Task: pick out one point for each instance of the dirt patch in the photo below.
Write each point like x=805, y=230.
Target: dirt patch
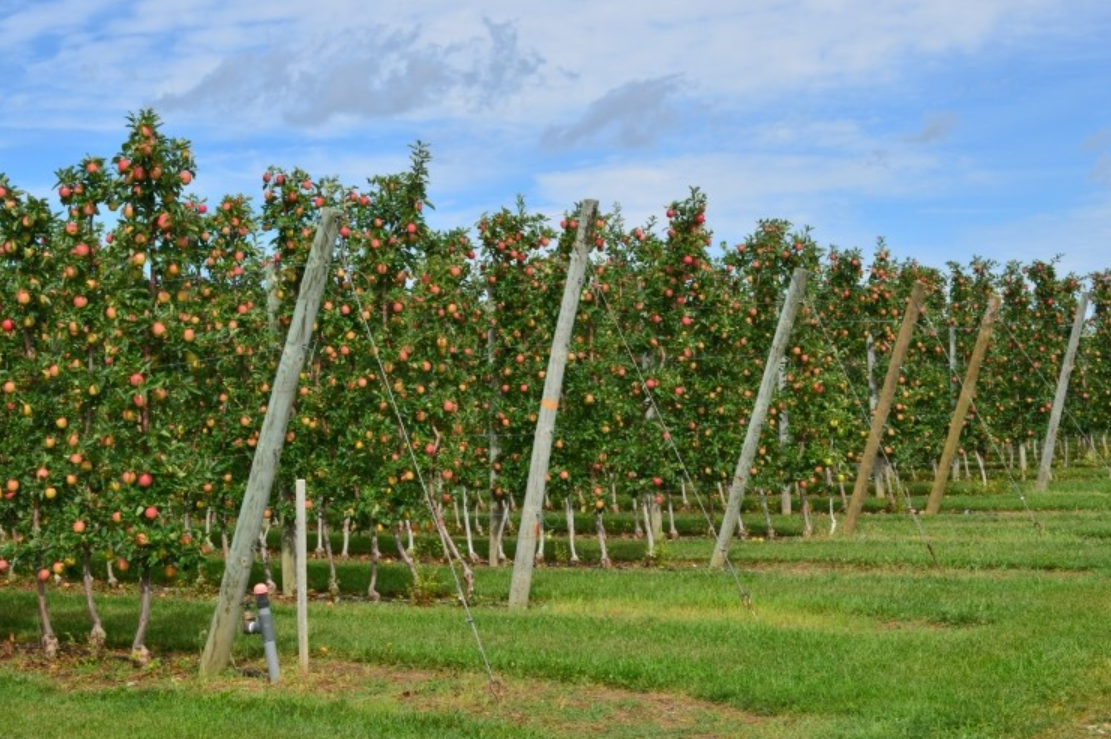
x=570, y=709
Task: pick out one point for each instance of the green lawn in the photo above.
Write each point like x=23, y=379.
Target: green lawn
x=1005, y=635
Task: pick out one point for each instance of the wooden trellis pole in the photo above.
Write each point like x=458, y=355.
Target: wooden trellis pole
x=883, y=406
x=268, y=451
x=964, y=401
x=742, y=472
x=1062, y=392
x=523, y=560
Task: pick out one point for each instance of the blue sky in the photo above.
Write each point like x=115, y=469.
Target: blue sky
x=949, y=127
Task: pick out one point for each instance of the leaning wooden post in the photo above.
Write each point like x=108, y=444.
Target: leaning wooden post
x=964, y=402
x=1062, y=391
x=302, y=555
x=523, y=560
x=273, y=305
x=268, y=451
x=795, y=293
x=883, y=406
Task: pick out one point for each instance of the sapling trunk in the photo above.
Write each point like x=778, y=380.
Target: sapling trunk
x=804, y=507
x=502, y=526
x=683, y=492
x=877, y=479
x=649, y=533
x=785, y=500
x=319, y=550
x=983, y=470
x=403, y=553
x=767, y=514
x=333, y=582
x=96, y=633
x=672, y=532
x=49, y=640
x=450, y=550
x=570, y=512
x=346, y=539
x=225, y=543
x=539, y=540
x=140, y=655
x=497, y=514
x=264, y=555
x=375, y=556
x=112, y=581
x=832, y=518
x=638, y=532
x=208, y=516
x=455, y=512
x=1022, y=460
x=472, y=555
x=967, y=472
x=478, y=518
x=412, y=546
x=600, y=528
x=655, y=518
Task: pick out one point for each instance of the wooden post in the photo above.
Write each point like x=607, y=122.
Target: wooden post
x=523, y=560
x=964, y=401
x=759, y=413
x=1062, y=391
x=273, y=304
x=302, y=555
x=268, y=452
x=883, y=406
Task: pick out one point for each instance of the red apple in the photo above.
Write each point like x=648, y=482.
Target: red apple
x=145, y=480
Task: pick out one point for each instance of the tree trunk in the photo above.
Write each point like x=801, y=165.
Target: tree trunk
x=49, y=640
x=767, y=514
x=403, y=553
x=655, y=518
x=450, y=550
x=264, y=555
x=319, y=549
x=375, y=556
x=649, y=533
x=983, y=470
x=343, y=553
x=333, y=582
x=472, y=555
x=1022, y=460
x=570, y=512
x=497, y=515
x=140, y=655
x=804, y=507
x=96, y=633
x=672, y=532
x=600, y=527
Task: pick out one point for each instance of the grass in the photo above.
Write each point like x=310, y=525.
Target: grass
x=1004, y=636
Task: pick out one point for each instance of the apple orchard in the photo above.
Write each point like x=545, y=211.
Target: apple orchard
x=140, y=329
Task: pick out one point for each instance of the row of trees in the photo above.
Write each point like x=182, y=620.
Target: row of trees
x=140, y=328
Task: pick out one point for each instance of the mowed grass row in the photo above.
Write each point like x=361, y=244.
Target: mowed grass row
x=1006, y=635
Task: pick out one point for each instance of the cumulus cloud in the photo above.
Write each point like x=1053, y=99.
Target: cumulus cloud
x=365, y=73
